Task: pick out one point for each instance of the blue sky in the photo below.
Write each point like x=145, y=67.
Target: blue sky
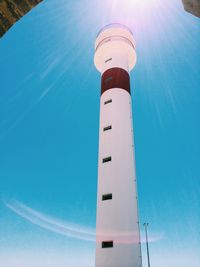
x=49, y=116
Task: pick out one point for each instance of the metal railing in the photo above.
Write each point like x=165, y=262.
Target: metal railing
x=115, y=38
x=114, y=25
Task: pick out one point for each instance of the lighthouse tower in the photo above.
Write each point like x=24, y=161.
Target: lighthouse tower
x=117, y=227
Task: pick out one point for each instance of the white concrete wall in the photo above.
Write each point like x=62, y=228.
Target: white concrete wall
x=117, y=219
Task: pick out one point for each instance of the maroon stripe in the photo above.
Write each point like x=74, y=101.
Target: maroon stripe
x=115, y=78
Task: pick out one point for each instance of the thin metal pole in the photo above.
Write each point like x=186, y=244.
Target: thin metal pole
x=147, y=243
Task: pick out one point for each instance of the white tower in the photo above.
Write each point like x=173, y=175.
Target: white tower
x=117, y=227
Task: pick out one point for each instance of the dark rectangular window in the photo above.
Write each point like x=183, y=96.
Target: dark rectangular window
x=108, y=101
x=107, y=128
x=107, y=244
x=106, y=197
x=109, y=59
x=106, y=159
x=108, y=79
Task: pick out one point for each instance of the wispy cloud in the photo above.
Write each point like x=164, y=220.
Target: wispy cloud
x=49, y=223
x=69, y=229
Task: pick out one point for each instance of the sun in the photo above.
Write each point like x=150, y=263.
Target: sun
x=126, y=4
x=130, y=9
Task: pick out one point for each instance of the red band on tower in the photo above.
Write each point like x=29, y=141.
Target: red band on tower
x=115, y=78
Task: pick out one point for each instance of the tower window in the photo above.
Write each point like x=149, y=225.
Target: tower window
x=109, y=59
x=106, y=159
x=107, y=128
x=107, y=244
x=108, y=79
x=108, y=101
x=106, y=197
